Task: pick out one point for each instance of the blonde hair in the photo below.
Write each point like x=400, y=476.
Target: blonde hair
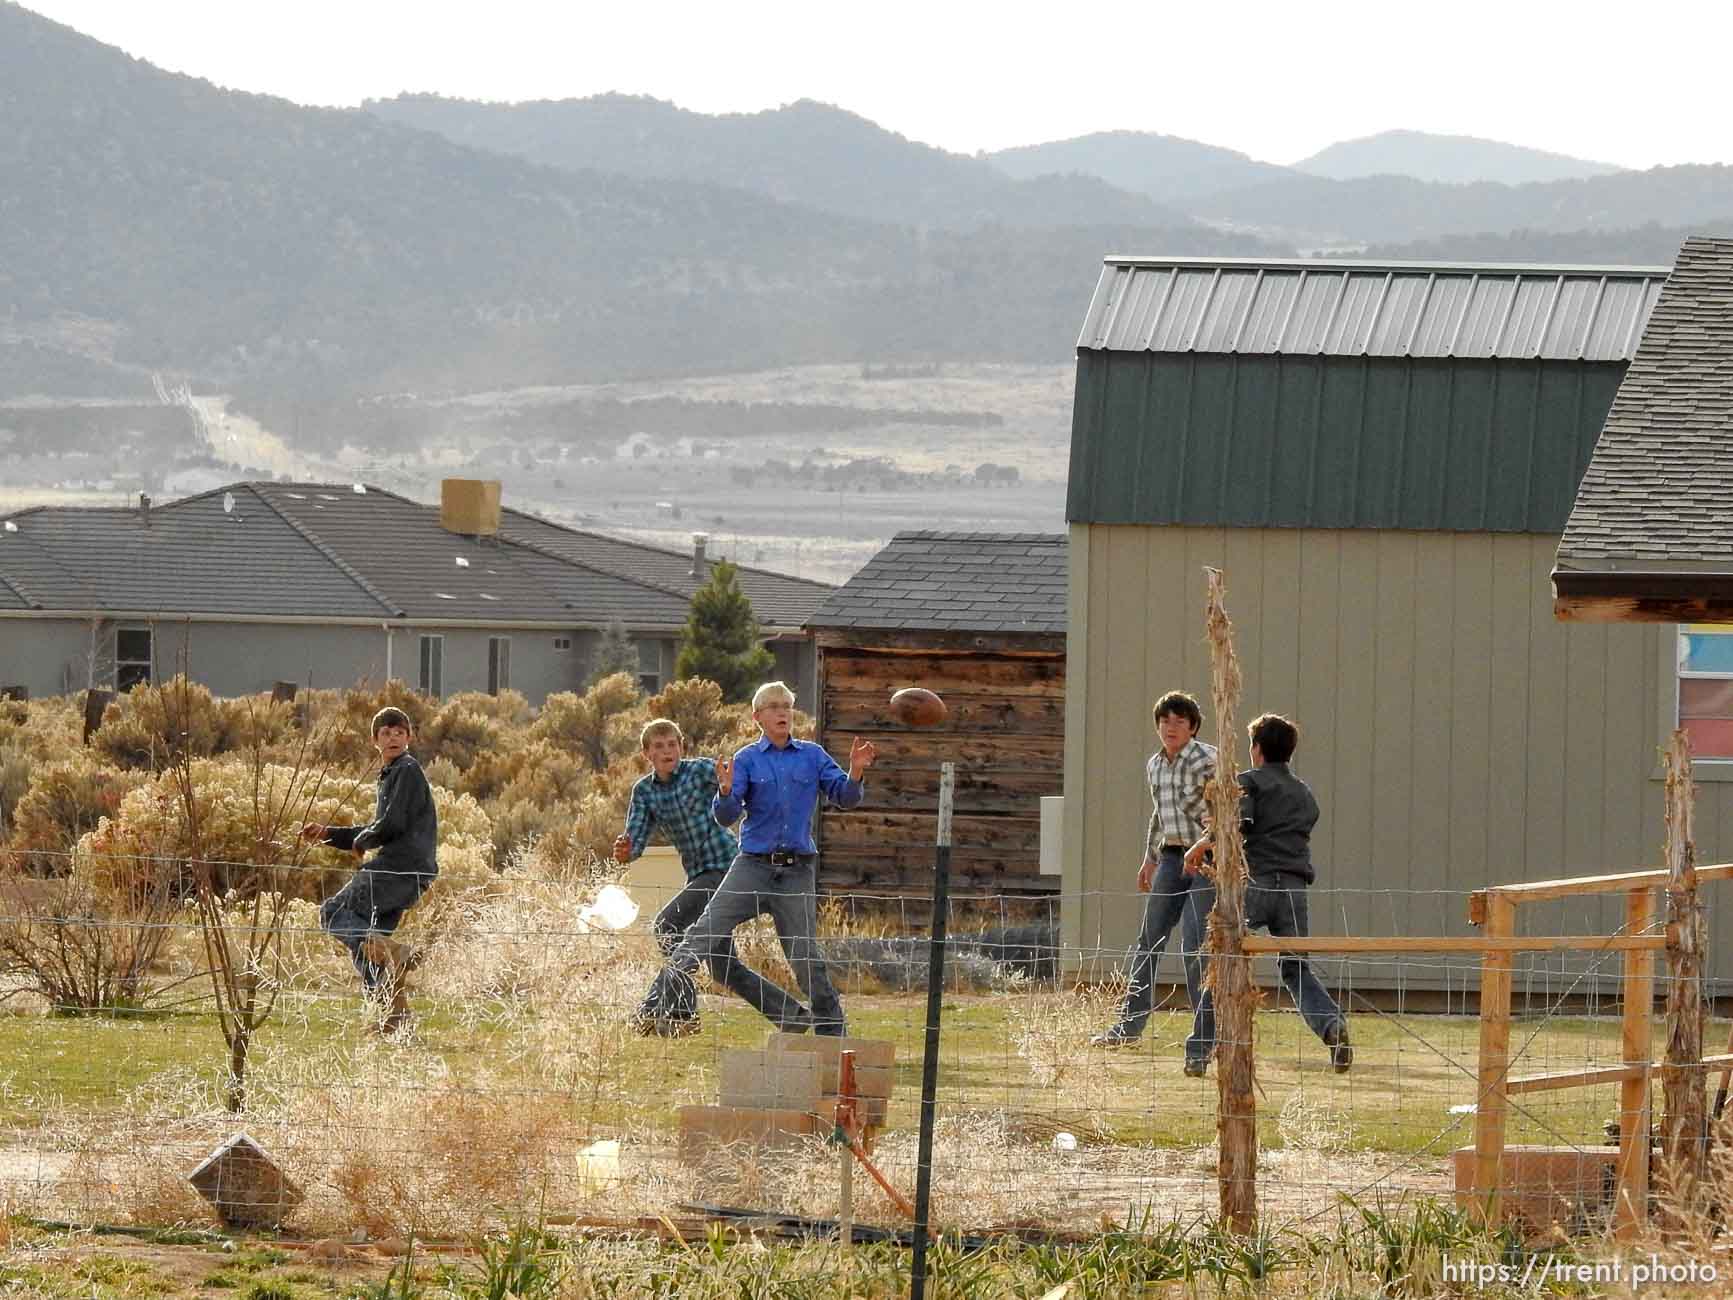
x=660, y=727
x=771, y=693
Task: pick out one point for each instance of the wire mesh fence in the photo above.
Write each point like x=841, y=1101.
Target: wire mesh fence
x=521, y=1084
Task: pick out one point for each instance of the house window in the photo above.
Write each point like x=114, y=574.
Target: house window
x=649, y=666
x=1706, y=688
x=432, y=680
x=132, y=657
x=498, y=664
x=562, y=643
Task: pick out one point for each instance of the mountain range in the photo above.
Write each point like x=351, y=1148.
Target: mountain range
x=1452, y=159
x=156, y=223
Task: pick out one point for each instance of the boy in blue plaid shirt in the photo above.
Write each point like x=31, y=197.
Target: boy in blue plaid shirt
x=676, y=797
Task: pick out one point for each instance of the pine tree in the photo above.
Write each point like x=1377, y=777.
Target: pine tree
x=614, y=653
x=723, y=641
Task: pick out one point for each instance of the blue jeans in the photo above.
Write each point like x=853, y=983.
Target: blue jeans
x=753, y=887
x=1278, y=903
x=374, y=900
x=677, y=916
x=1174, y=899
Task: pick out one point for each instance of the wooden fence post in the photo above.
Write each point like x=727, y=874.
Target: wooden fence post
x=1631, y=1201
x=1230, y=968
x=1492, y=1104
x=1684, y=1131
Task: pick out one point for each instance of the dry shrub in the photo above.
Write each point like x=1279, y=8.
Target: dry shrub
x=16, y=766
x=1312, y=1126
x=152, y=725
x=45, y=729
x=235, y=798
x=65, y=801
x=340, y=722
x=464, y=732
x=84, y=950
x=257, y=722
x=695, y=706
x=1051, y=1027
x=442, y=772
x=596, y=726
x=527, y=950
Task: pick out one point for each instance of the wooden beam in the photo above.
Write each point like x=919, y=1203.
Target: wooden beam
x=1488, y=943
x=1642, y=609
x=1631, y=1197
x=1578, y=1078
x=1603, y=1074
x=1538, y=891
x=1491, y=1103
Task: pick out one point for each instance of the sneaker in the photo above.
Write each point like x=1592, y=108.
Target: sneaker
x=1115, y=1037
x=1196, y=1067
x=1341, y=1051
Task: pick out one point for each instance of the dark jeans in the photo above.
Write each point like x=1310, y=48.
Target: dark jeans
x=753, y=888
x=374, y=900
x=683, y=909
x=1174, y=899
x=1277, y=902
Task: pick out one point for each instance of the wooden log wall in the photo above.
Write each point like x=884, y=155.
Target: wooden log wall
x=1005, y=732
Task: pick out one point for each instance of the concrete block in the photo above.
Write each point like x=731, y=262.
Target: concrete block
x=703, y=1128
x=245, y=1186
x=769, y=1079
x=874, y=1060
x=1543, y=1185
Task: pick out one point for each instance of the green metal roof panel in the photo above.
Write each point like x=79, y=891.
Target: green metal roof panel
x=1332, y=442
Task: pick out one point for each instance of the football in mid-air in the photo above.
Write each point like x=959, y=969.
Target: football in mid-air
x=918, y=707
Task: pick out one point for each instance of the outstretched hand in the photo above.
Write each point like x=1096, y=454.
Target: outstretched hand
x=860, y=757
x=312, y=831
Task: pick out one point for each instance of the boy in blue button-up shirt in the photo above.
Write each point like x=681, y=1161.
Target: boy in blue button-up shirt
x=777, y=781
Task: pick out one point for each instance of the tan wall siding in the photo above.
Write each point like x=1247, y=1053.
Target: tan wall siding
x=1455, y=733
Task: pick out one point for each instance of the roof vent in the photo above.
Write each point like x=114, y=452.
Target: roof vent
x=700, y=563
x=469, y=506
x=144, y=508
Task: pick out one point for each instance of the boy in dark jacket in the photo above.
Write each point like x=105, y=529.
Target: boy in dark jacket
x=1277, y=814
x=363, y=914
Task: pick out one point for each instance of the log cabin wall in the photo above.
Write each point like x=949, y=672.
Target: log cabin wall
x=1005, y=731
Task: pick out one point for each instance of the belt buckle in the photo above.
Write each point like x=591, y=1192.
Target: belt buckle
x=783, y=857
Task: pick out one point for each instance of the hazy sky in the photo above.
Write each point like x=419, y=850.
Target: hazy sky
x=1632, y=84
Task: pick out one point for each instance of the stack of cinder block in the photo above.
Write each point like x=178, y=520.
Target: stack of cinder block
x=786, y=1091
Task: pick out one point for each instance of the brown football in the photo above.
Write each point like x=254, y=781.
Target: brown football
x=918, y=707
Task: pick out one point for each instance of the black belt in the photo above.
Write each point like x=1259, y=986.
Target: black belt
x=787, y=857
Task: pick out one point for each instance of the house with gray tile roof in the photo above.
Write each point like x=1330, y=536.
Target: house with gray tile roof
x=981, y=619
x=330, y=584
x=1650, y=537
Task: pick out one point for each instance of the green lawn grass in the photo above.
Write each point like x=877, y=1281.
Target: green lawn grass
x=1408, y=1074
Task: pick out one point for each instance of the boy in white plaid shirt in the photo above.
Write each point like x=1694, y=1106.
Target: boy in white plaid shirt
x=1177, y=773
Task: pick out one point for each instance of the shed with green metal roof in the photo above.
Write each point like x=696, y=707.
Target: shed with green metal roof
x=1382, y=458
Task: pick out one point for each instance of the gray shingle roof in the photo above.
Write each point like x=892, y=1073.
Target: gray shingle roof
x=777, y=599
x=325, y=550
x=1382, y=309
x=956, y=582
x=1658, y=493
x=190, y=557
